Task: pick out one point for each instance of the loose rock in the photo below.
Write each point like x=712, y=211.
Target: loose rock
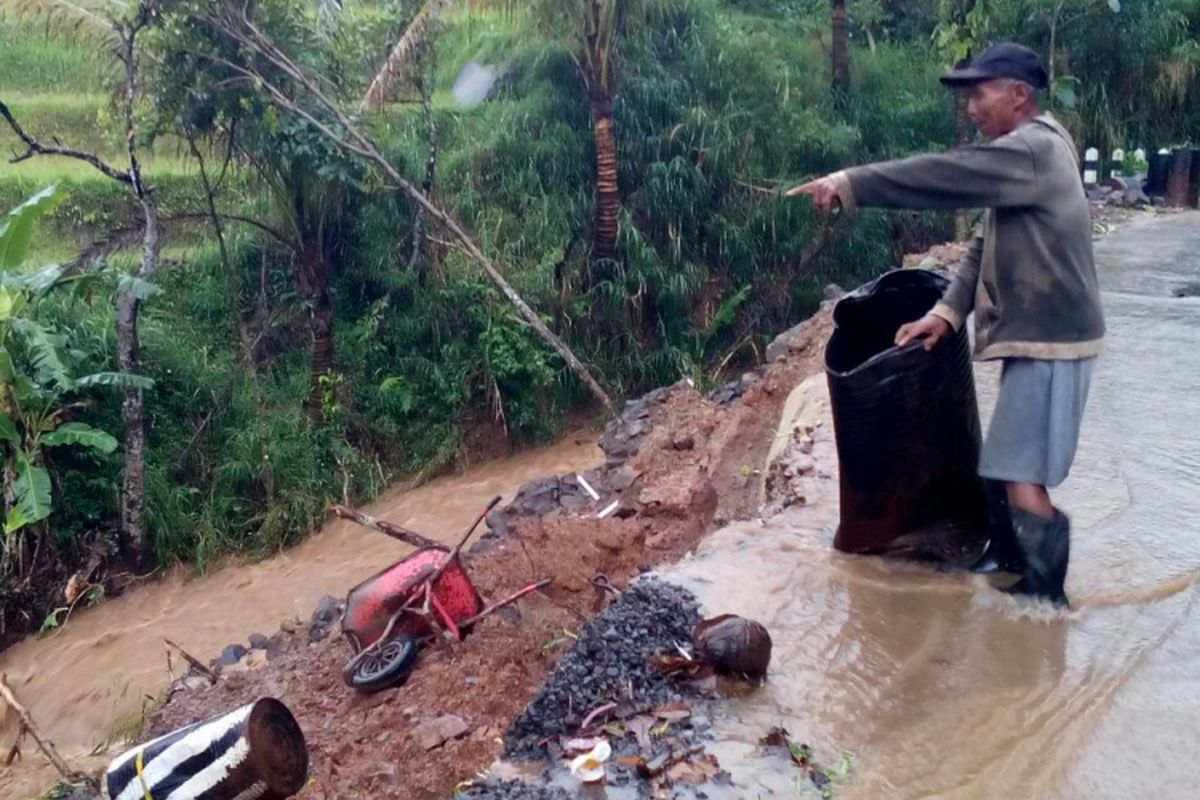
x=254, y=659
x=328, y=612
x=436, y=732
x=539, y=498
x=232, y=654
x=622, y=478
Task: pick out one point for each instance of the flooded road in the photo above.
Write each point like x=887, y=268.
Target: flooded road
x=937, y=685
x=91, y=681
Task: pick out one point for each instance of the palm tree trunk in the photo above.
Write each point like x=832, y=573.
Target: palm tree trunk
x=608, y=197
x=313, y=278
x=840, y=51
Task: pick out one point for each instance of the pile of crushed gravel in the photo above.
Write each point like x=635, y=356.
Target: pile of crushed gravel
x=609, y=663
x=512, y=791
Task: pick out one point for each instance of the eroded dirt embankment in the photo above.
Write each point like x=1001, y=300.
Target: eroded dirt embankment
x=679, y=464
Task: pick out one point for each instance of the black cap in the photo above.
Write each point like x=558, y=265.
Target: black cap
x=1004, y=60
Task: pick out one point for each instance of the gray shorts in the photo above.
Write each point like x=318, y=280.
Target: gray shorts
x=1035, y=425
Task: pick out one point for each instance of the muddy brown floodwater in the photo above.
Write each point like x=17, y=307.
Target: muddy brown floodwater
x=92, y=680
x=939, y=686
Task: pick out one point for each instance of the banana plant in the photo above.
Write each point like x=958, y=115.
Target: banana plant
x=38, y=387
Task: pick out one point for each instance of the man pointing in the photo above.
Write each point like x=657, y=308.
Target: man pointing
x=1029, y=278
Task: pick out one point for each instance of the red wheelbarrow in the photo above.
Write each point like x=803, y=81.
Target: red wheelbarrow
x=424, y=596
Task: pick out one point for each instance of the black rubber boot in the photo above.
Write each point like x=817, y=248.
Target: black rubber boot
x=1003, y=553
x=1046, y=546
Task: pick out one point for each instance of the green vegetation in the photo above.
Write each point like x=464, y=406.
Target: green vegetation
x=43, y=56
x=315, y=341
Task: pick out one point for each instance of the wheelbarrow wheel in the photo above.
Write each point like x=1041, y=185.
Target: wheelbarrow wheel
x=386, y=668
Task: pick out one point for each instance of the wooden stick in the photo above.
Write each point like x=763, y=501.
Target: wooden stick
x=195, y=662
x=388, y=528
x=30, y=727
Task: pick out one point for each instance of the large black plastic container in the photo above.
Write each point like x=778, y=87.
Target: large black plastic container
x=906, y=423
x=1179, y=179
x=1158, y=165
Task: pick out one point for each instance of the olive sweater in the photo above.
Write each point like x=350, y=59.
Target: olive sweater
x=1030, y=277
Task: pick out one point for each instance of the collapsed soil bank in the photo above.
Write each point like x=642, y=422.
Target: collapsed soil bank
x=690, y=466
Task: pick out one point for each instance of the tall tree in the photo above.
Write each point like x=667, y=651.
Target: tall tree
x=840, y=50
x=120, y=26
x=308, y=180
x=592, y=31
x=408, y=66
x=1060, y=15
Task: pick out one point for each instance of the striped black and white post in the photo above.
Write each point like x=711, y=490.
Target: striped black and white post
x=256, y=752
x=1091, y=167
x=1116, y=164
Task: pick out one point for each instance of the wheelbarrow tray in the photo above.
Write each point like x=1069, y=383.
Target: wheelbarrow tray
x=372, y=603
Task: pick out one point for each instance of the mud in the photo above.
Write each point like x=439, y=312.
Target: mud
x=685, y=465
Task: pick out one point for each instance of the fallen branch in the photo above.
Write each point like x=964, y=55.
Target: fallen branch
x=388, y=528
x=178, y=465
x=29, y=726
x=198, y=665
x=71, y=608
x=756, y=188
x=345, y=133
x=35, y=148
x=396, y=69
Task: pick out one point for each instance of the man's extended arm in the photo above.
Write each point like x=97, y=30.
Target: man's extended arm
x=1001, y=173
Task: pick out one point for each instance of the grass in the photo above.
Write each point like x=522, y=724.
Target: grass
x=78, y=119
x=45, y=56
x=95, y=204
x=44, y=169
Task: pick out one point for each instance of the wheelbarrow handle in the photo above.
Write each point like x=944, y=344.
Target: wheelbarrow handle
x=458, y=547
x=495, y=501
x=512, y=598
x=482, y=515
